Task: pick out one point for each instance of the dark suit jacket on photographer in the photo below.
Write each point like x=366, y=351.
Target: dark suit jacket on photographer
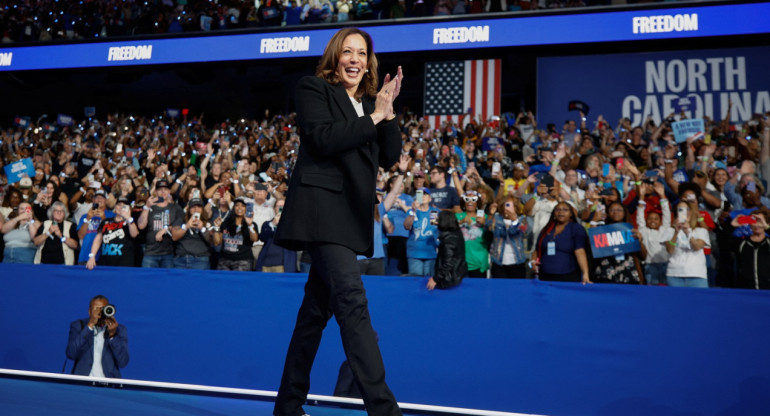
x=332, y=189
x=80, y=348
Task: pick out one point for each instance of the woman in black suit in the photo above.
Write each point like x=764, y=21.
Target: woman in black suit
x=347, y=131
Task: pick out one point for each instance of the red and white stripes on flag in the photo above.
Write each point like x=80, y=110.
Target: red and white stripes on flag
x=452, y=88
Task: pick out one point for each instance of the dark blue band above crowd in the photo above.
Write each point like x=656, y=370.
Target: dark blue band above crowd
x=49, y=20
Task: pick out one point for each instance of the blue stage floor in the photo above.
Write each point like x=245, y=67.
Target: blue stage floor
x=43, y=394
x=42, y=398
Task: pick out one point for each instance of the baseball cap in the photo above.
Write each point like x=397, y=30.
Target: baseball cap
x=259, y=186
x=162, y=184
x=100, y=192
x=25, y=183
x=240, y=199
x=195, y=201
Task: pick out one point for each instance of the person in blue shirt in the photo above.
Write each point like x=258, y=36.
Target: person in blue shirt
x=375, y=264
x=443, y=195
x=89, y=225
x=561, y=247
x=422, y=243
x=396, y=214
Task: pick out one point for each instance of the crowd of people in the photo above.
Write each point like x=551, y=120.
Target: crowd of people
x=188, y=193
x=46, y=20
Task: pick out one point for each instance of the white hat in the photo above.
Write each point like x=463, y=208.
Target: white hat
x=25, y=182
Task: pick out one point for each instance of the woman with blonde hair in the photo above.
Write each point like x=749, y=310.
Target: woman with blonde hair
x=687, y=260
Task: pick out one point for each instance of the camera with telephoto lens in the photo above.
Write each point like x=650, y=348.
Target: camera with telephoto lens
x=108, y=311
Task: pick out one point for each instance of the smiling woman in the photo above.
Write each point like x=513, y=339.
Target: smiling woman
x=347, y=130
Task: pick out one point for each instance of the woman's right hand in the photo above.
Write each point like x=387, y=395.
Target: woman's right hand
x=383, y=106
x=91, y=264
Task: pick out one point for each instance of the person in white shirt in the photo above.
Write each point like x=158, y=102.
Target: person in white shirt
x=687, y=260
x=98, y=345
x=656, y=231
x=263, y=211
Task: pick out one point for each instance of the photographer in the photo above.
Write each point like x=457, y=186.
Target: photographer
x=98, y=344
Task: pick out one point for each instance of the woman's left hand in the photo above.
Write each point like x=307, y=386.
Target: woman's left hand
x=431, y=284
x=396, y=87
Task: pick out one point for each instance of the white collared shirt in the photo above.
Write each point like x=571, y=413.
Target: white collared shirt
x=96, y=368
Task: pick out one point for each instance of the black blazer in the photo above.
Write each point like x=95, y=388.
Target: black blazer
x=450, y=262
x=331, y=195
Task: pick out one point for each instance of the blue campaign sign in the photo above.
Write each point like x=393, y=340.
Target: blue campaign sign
x=613, y=239
x=651, y=84
x=64, y=120
x=688, y=128
x=521, y=29
x=17, y=170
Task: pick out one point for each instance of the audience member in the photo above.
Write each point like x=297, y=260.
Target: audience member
x=236, y=234
x=115, y=239
x=450, y=265
x=56, y=238
x=423, y=235
x=18, y=233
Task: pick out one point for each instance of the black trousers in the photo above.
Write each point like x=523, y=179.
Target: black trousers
x=334, y=287
x=511, y=271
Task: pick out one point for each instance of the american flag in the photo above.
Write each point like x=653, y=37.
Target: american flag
x=451, y=88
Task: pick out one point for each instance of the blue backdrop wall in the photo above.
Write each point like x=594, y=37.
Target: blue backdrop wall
x=521, y=346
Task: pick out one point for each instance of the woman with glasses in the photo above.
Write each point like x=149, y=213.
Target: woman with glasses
x=621, y=268
x=509, y=232
x=561, y=248
x=473, y=224
x=57, y=238
x=18, y=231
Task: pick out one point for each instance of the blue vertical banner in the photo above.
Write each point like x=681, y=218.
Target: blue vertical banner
x=699, y=83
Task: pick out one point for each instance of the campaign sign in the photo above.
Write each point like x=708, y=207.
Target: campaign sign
x=22, y=122
x=687, y=128
x=685, y=104
x=702, y=83
x=130, y=153
x=613, y=239
x=579, y=106
x=64, y=120
x=490, y=144
x=17, y=170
